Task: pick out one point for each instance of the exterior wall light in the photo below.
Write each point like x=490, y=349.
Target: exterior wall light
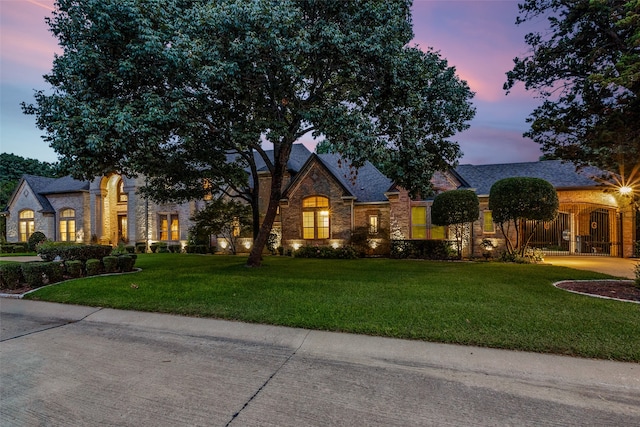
x=625, y=190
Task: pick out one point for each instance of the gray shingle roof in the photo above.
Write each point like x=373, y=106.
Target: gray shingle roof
x=367, y=183
x=299, y=155
x=560, y=174
x=42, y=186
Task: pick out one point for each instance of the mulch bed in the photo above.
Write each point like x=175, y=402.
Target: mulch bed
x=618, y=289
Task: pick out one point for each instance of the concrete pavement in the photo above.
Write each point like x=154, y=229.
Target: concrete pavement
x=618, y=267
x=72, y=365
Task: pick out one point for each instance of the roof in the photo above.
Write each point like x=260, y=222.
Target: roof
x=560, y=174
x=299, y=156
x=366, y=183
x=41, y=186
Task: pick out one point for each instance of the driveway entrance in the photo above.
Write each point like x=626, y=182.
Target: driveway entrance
x=618, y=267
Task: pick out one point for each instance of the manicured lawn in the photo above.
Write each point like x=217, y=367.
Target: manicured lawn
x=487, y=304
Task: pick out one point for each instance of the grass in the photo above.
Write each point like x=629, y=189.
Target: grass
x=487, y=304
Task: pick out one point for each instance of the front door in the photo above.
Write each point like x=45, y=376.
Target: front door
x=122, y=228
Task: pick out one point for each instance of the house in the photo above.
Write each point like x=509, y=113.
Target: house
x=324, y=202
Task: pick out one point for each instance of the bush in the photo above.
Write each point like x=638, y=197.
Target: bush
x=74, y=268
x=175, y=249
x=110, y=264
x=55, y=272
x=11, y=275
x=198, y=249
x=159, y=247
x=141, y=247
x=637, y=272
x=94, y=267
x=326, y=252
x=422, y=249
x=35, y=273
x=125, y=263
x=49, y=251
x=35, y=239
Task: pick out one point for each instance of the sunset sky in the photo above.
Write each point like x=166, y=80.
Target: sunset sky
x=478, y=37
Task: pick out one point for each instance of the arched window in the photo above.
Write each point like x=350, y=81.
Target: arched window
x=122, y=196
x=27, y=224
x=68, y=225
x=315, y=217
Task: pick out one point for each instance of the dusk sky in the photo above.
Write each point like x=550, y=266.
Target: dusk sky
x=478, y=37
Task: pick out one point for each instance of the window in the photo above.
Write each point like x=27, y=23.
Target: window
x=169, y=227
x=488, y=226
x=122, y=196
x=27, y=224
x=438, y=232
x=315, y=218
x=419, y=222
x=68, y=225
x=373, y=224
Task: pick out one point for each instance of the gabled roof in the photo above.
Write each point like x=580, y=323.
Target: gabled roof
x=42, y=186
x=560, y=174
x=299, y=156
x=367, y=183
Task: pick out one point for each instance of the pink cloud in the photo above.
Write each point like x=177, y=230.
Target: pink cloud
x=489, y=145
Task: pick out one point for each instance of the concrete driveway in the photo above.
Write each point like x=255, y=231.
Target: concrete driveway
x=72, y=365
x=618, y=267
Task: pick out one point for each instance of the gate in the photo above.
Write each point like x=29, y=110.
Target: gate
x=579, y=229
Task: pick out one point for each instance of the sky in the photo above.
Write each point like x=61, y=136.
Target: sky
x=478, y=37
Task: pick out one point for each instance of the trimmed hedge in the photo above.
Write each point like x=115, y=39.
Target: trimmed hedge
x=74, y=268
x=14, y=248
x=326, y=252
x=35, y=273
x=49, y=251
x=35, y=239
x=94, y=267
x=110, y=264
x=11, y=275
x=422, y=249
x=126, y=262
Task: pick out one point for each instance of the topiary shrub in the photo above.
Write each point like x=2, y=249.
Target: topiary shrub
x=74, y=268
x=93, y=266
x=35, y=273
x=65, y=251
x=141, y=247
x=11, y=276
x=55, y=272
x=125, y=263
x=35, y=239
x=110, y=264
x=175, y=249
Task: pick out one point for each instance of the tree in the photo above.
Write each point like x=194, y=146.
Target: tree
x=228, y=219
x=512, y=201
x=586, y=68
x=176, y=89
x=456, y=208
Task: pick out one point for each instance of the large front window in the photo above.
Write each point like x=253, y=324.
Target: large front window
x=315, y=218
x=419, y=222
x=27, y=224
x=169, y=227
x=68, y=225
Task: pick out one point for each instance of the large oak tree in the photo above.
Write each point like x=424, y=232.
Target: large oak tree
x=586, y=68
x=188, y=91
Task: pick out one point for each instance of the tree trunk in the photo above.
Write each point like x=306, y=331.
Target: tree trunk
x=281, y=154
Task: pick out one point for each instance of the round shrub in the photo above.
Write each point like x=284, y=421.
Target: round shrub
x=55, y=271
x=125, y=263
x=110, y=264
x=35, y=273
x=35, y=239
x=11, y=275
x=74, y=268
x=93, y=266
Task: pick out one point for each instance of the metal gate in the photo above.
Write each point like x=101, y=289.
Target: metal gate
x=579, y=229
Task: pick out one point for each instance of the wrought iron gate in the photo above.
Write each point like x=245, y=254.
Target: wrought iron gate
x=579, y=229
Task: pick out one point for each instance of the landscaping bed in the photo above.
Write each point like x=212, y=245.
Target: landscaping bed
x=616, y=289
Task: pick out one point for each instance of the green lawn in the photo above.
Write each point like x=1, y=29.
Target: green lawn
x=488, y=304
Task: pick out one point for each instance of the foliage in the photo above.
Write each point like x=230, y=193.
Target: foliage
x=326, y=252
x=14, y=248
x=74, y=268
x=274, y=241
x=126, y=263
x=515, y=200
x=37, y=274
x=49, y=251
x=11, y=275
x=456, y=208
x=93, y=266
x=110, y=264
x=35, y=239
x=637, y=273
x=586, y=68
x=187, y=92
x=228, y=219
x=422, y=249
